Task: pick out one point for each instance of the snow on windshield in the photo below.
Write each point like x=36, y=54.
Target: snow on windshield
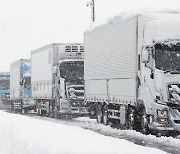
x=167, y=57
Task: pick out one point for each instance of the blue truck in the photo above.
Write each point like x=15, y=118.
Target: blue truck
x=4, y=87
x=20, y=86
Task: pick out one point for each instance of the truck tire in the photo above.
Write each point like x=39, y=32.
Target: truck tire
x=99, y=114
x=130, y=119
x=38, y=109
x=92, y=112
x=41, y=112
x=55, y=114
x=24, y=111
x=105, y=114
x=51, y=111
x=144, y=123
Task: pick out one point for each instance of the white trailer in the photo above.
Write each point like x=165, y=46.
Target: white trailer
x=54, y=70
x=20, y=88
x=125, y=79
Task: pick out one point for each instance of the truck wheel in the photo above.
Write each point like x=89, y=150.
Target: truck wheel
x=55, y=114
x=23, y=111
x=38, y=110
x=15, y=110
x=92, y=112
x=144, y=123
x=51, y=112
x=41, y=112
x=105, y=114
x=130, y=120
x=99, y=114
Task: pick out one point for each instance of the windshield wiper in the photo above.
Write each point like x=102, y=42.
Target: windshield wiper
x=175, y=71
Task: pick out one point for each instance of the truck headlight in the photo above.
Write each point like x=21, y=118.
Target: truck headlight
x=162, y=116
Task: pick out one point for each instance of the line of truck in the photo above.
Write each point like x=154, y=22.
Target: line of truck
x=127, y=73
x=51, y=82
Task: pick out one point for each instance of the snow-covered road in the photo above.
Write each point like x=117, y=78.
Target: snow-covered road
x=31, y=135
x=168, y=144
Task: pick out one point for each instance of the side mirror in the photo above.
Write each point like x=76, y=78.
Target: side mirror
x=145, y=56
x=152, y=75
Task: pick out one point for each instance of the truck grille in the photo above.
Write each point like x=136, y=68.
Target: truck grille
x=174, y=93
x=76, y=90
x=177, y=121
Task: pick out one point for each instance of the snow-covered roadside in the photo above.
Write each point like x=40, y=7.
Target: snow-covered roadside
x=166, y=143
x=24, y=135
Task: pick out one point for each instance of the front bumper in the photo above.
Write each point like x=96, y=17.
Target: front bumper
x=173, y=122
x=160, y=127
x=80, y=110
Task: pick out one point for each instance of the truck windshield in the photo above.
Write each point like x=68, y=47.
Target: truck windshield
x=4, y=84
x=72, y=71
x=167, y=58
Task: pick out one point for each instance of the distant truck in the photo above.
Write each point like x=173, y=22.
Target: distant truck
x=20, y=86
x=4, y=86
x=57, y=79
x=132, y=72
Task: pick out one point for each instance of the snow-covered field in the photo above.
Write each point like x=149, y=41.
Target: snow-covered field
x=26, y=135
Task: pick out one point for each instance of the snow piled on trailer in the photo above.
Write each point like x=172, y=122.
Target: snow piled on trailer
x=126, y=15
x=24, y=135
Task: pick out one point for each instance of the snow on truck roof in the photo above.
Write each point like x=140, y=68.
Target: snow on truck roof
x=17, y=61
x=128, y=16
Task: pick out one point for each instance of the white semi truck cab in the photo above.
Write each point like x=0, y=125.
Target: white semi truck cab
x=132, y=72
x=70, y=77
x=160, y=72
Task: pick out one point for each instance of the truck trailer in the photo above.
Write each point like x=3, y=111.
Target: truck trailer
x=20, y=86
x=57, y=80
x=4, y=87
x=132, y=72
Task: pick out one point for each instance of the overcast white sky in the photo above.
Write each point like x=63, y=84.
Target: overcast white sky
x=26, y=25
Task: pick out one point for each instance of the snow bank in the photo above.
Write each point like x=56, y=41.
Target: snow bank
x=128, y=134
x=25, y=135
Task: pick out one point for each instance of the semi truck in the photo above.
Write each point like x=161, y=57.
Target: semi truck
x=132, y=72
x=4, y=87
x=20, y=86
x=57, y=80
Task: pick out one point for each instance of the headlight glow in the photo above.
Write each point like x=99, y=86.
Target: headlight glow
x=162, y=113
x=162, y=116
